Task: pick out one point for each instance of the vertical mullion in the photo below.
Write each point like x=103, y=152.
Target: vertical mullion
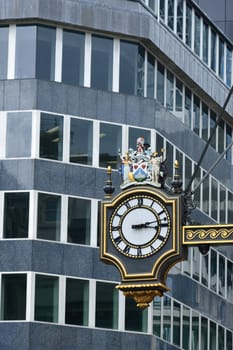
x=66, y=139
x=145, y=73
x=58, y=54
x=94, y=222
x=92, y=303
x=87, y=61
x=116, y=65
x=64, y=218
x=96, y=131
x=121, y=311
x=32, y=224
x=30, y=297
x=61, y=299
x=11, y=52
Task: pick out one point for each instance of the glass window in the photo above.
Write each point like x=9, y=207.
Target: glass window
x=25, y=55
x=77, y=299
x=131, y=68
x=196, y=115
x=46, y=298
x=18, y=135
x=197, y=34
x=204, y=121
x=51, y=136
x=212, y=126
x=204, y=333
x=157, y=316
x=49, y=217
x=213, y=51
x=134, y=133
x=179, y=20
x=229, y=280
x=222, y=205
x=167, y=318
x=230, y=207
x=150, y=75
x=79, y=220
x=186, y=328
x=179, y=95
x=195, y=331
x=106, y=315
x=16, y=212
x=151, y=4
x=176, y=323
x=204, y=269
x=188, y=110
x=45, y=53
x=101, y=62
x=206, y=187
x=159, y=143
x=188, y=170
x=170, y=20
x=221, y=59
x=13, y=297
x=110, y=145
x=221, y=127
x=229, y=340
x=228, y=141
x=160, y=83
x=73, y=57
x=221, y=278
x=196, y=264
x=169, y=161
x=205, y=44
x=228, y=66
x=81, y=132
x=162, y=9
x=170, y=90
x=4, y=31
x=135, y=319
x=188, y=37
x=214, y=199
x=213, y=270
x=197, y=193
x=212, y=336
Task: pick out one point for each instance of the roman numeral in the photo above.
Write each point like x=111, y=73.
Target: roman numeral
x=139, y=251
x=116, y=228
x=118, y=240
x=140, y=201
x=128, y=206
x=126, y=249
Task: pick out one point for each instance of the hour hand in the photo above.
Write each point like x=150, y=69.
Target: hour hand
x=138, y=226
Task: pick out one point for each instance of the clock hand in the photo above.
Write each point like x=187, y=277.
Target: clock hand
x=145, y=225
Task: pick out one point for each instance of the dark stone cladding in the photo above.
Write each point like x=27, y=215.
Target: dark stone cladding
x=126, y=18
x=99, y=105
x=38, y=336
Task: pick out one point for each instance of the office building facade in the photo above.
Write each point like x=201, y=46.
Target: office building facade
x=80, y=81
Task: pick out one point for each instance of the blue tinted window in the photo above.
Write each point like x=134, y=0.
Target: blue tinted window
x=4, y=51
x=51, y=136
x=25, y=55
x=45, y=53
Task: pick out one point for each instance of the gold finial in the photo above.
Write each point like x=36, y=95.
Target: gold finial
x=108, y=188
x=176, y=164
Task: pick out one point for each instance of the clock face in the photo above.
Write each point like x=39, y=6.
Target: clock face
x=140, y=226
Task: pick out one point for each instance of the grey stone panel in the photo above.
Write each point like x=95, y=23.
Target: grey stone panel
x=14, y=336
x=16, y=255
x=17, y=174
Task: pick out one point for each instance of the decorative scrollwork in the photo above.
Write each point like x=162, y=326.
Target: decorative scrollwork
x=211, y=233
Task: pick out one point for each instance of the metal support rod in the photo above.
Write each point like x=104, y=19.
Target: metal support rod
x=212, y=167
x=209, y=140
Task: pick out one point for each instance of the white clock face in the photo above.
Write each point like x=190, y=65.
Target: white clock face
x=140, y=226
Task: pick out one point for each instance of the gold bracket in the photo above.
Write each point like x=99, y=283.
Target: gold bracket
x=207, y=234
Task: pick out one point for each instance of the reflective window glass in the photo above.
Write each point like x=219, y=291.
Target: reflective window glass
x=46, y=298
x=196, y=115
x=188, y=109
x=206, y=194
x=179, y=95
x=170, y=90
x=159, y=143
x=212, y=335
x=221, y=127
x=73, y=57
x=151, y=4
x=197, y=193
x=131, y=68
x=45, y=53
x=228, y=141
x=160, y=83
x=212, y=126
x=213, y=51
x=134, y=133
x=213, y=270
x=195, y=330
x=197, y=34
x=110, y=145
x=222, y=205
x=157, y=316
x=150, y=75
x=166, y=318
x=13, y=297
x=205, y=43
x=77, y=299
x=221, y=58
x=229, y=341
x=4, y=31
x=51, y=136
x=135, y=319
x=170, y=19
x=230, y=207
x=169, y=161
x=179, y=19
x=176, y=323
x=188, y=170
x=204, y=128
x=25, y=54
x=49, y=217
x=196, y=264
x=214, y=199
x=204, y=333
x=204, y=269
x=18, y=134
x=81, y=136
x=16, y=213
x=221, y=277
x=188, y=36
x=186, y=328
x=162, y=9
x=79, y=220
x=106, y=315
x=101, y=62
x=230, y=280
x=228, y=66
